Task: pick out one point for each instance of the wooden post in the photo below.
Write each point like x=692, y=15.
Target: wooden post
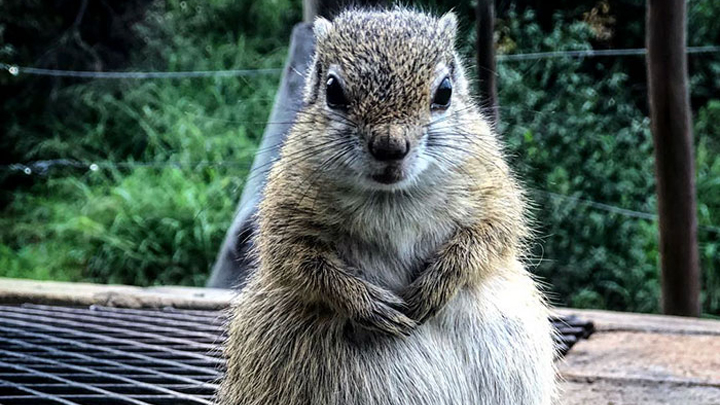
x=674, y=162
x=312, y=9
x=485, y=17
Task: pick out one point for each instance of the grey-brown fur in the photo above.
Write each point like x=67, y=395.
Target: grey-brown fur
x=388, y=294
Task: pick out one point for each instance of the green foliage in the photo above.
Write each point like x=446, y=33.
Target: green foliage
x=708, y=190
x=143, y=227
x=160, y=217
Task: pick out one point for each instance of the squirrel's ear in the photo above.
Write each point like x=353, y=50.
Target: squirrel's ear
x=321, y=28
x=448, y=24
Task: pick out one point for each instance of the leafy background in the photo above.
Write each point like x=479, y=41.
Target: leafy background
x=172, y=154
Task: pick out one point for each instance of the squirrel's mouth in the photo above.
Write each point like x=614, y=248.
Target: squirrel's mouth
x=392, y=173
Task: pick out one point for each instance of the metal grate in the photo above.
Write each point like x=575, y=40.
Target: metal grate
x=103, y=355
x=570, y=329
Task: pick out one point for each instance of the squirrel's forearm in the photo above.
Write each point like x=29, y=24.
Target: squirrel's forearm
x=315, y=274
x=318, y=275
x=464, y=259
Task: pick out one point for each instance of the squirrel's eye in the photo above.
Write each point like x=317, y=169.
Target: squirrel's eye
x=335, y=96
x=442, y=95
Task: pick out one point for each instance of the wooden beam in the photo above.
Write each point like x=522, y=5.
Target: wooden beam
x=485, y=50
x=313, y=9
x=674, y=161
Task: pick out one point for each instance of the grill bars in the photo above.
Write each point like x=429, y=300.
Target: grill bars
x=103, y=355
x=570, y=329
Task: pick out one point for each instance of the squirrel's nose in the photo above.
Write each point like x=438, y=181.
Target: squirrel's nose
x=384, y=148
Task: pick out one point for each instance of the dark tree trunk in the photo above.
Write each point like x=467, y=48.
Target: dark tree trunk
x=674, y=162
x=487, y=76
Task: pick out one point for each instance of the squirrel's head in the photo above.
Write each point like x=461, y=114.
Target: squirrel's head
x=381, y=84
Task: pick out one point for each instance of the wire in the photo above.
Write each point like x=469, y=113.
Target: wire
x=614, y=209
x=42, y=166
x=602, y=206
x=17, y=70
x=589, y=53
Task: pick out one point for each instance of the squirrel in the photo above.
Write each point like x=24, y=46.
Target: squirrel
x=391, y=237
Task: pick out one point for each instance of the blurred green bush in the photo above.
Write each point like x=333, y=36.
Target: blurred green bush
x=577, y=134
x=160, y=216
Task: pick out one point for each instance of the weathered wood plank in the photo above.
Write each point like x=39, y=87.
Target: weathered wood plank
x=604, y=392
x=682, y=359
x=643, y=359
x=606, y=321
x=18, y=291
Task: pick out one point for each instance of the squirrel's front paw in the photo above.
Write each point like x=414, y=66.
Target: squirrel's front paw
x=381, y=313
x=420, y=306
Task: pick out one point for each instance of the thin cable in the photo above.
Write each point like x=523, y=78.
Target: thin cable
x=614, y=209
x=602, y=206
x=589, y=53
x=42, y=166
x=17, y=70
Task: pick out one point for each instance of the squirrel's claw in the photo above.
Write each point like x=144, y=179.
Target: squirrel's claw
x=383, y=313
x=383, y=318
x=420, y=307
x=387, y=297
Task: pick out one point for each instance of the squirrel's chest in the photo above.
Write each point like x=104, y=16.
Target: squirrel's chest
x=392, y=251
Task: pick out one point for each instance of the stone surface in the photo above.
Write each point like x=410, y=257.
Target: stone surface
x=688, y=358
x=609, y=321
